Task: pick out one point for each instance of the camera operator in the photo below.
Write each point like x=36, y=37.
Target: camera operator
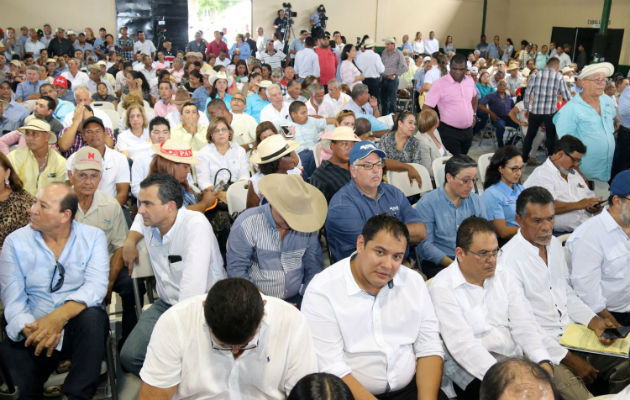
x=278, y=23
x=318, y=22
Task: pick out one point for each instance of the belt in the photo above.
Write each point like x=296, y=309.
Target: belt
x=452, y=127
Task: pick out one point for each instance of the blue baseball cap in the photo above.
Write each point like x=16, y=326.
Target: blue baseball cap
x=363, y=149
x=620, y=185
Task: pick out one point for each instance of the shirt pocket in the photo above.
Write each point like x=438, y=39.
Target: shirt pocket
x=616, y=261
x=292, y=260
x=74, y=273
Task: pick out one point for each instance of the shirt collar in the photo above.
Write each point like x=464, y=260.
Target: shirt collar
x=379, y=191
x=352, y=287
x=609, y=222
x=527, y=246
x=458, y=279
x=504, y=188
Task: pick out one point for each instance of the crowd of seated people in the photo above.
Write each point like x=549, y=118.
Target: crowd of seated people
x=318, y=287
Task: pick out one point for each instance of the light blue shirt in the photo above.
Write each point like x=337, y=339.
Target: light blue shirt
x=624, y=107
x=296, y=45
x=307, y=134
x=245, y=51
x=493, y=51
x=500, y=202
x=227, y=100
x=26, y=88
x=26, y=271
x=366, y=112
x=255, y=105
x=579, y=119
x=442, y=220
x=16, y=112
x=201, y=96
x=63, y=108
x=406, y=45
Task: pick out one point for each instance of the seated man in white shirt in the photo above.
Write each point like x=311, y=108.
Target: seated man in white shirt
x=575, y=202
x=372, y=320
x=599, y=256
x=336, y=96
x=483, y=314
x=159, y=132
x=243, y=125
x=294, y=92
x=278, y=110
x=536, y=259
x=307, y=129
x=318, y=106
x=184, y=254
x=233, y=343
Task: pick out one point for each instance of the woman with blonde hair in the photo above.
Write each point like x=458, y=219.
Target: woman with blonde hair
x=431, y=146
x=134, y=140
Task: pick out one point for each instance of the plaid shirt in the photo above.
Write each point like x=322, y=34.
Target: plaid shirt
x=127, y=54
x=545, y=86
x=79, y=142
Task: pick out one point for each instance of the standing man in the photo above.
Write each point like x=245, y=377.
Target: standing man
x=431, y=45
x=60, y=46
x=327, y=62
x=53, y=278
x=298, y=43
x=261, y=40
x=143, y=45
x=356, y=308
x=371, y=65
x=183, y=250
x=306, y=60
x=395, y=65
x=125, y=44
x=540, y=103
x=276, y=245
x=456, y=97
x=199, y=45
x=494, y=49
x=216, y=45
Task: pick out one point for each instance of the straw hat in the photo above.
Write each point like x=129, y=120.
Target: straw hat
x=265, y=84
x=605, y=67
x=369, y=43
x=273, y=148
x=182, y=96
x=512, y=67
x=221, y=75
x=301, y=204
x=344, y=133
x=175, y=151
x=32, y=123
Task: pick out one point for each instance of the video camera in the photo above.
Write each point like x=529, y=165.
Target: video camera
x=322, y=15
x=288, y=17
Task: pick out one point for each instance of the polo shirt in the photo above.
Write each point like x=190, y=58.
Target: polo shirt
x=499, y=200
x=370, y=64
x=306, y=63
x=579, y=119
x=215, y=48
x=147, y=47
x=349, y=210
x=115, y=170
x=27, y=168
x=274, y=60
x=500, y=106
x=244, y=127
x=442, y=220
x=105, y=213
x=271, y=114
x=80, y=79
x=307, y=134
x=196, y=141
x=329, y=178
x=26, y=88
x=181, y=354
x=453, y=100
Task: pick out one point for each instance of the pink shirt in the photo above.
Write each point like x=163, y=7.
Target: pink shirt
x=162, y=109
x=453, y=99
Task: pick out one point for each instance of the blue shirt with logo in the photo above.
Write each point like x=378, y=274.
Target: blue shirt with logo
x=499, y=201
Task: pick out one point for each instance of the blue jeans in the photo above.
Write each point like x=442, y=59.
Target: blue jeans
x=499, y=126
x=482, y=119
x=389, y=89
x=134, y=350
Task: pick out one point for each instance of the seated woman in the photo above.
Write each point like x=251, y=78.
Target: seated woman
x=431, y=146
x=137, y=83
x=275, y=155
x=195, y=81
x=221, y=161
x=344, y=118
x=134, y=140
x=15, y=202
x=176, y=158
x=103, y=95
x=221, y=83
x=400, y=144
x=501, y=189
x=177, y=72
x=127, y=101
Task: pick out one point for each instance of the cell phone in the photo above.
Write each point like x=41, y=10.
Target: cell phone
x=600, y=203
x=286, y=132
x=174, y=259
x=616, y=333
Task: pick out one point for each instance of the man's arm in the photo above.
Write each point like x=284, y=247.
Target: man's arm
x=565, y=207
x=115, y=265
x=45, y=333
x=239, y=252
x=428, y=377
x=122, y=191
x=67, y=135
x=148, y=392
x=417, y=232
x=359, y=392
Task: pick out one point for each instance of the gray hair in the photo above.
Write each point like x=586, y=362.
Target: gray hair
x=334, y=83
x=33, y=67
x=79, y=89
x=457, y=163
x=358, y=90
x=273, y=86
x=314, y=88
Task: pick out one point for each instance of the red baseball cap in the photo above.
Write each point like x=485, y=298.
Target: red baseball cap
x=61, y=81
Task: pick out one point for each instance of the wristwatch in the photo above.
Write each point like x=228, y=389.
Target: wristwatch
x=250, y=146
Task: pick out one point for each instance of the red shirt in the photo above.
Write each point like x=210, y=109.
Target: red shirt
x=327, y=64
x=215, y=48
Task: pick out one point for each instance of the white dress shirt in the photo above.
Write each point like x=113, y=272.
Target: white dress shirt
x=115, y=170
x=191, y=238
x=80, y=79
x=340, y=102
x=181, y=354
x=271, y=114
x=547, y=288
x=306, y=63
x=378, y=338
x=432, y=75
x=244, y=127
x=134, y=145
x=370, y=64
x=326, y=109
x=211, y=161
x=418, y=47
x=570, y=190
x=431, y=46
x=261, y=42
x=480, y=324
x=599, y=261
x=147, y=47
x=288, y=99
x=140, y=170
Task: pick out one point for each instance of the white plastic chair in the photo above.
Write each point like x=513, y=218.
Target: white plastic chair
x=113, y=116
x=30, y=105
x=403, y=84
x=482, y=163
x=237, y=196
x=104, y=105
x=141, y=270
x=438, y=170
x=401, y=181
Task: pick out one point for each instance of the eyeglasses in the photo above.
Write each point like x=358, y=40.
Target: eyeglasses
x=575, y=160
x=515, y=169
x=62, y=274
x=600, y=81
x=370, y=166
x=486, y=255
x=230, y=348
x=466, y=181
x=221, y=130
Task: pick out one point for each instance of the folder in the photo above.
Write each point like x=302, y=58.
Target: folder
x=580, y=338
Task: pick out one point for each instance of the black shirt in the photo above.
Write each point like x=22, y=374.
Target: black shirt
x=59, y=48
x=329, y=178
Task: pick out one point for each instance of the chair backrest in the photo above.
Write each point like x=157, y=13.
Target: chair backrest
x=401, y=181
x=317, y=153
x=237, y=196
x=103, y=105
x=113, y=116
x=438, y=170
x=30, y=105
x=482, y=165
x=143, y=268
x=403, y=84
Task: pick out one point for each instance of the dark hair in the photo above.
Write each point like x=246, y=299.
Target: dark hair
x=553, y=61
x=535, y=195
x=399, y=117
x=458, y=162
x=45, y=85
x=69, y=202
x=362, y=125
x=270, y=167
x=296, y=106
x=346, y=49
x=501, y=374
x=241, y=62
x=458, y=59
x=510, y=41
x=195, y=73
x=387, y=223
x=188, y=104
x=309, y=41
x=320, y=386
x=159, y=121
x=161, y=74
x=234, y=309
x=499, y=159
x=263, y=126
x=139, y=75
x=168, y=187
x=50, y=102
x=469, y=227
x=216, y=103
x=293, y=82
x=524, y=42
x=265, y=65
x=15, y=183
x=570, y=144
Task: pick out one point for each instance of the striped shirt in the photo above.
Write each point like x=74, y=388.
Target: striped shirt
x=278, y=267
x=545, y=85
x=394, y=63
x=329, y=178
